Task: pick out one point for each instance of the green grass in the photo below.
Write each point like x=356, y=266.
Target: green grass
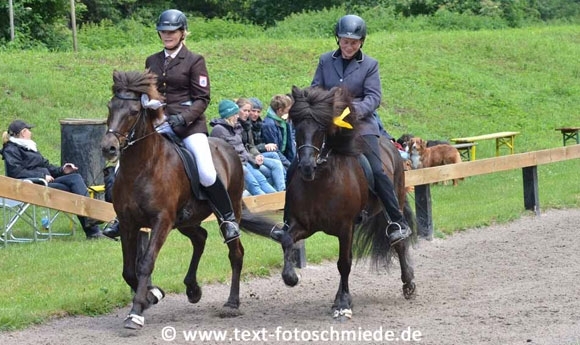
x=72, y=276
x=436, y=85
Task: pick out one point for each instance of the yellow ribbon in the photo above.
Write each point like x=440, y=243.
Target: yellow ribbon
x=339, y=120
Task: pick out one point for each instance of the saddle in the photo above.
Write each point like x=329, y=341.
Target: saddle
x=366, y=166
x=189, y=165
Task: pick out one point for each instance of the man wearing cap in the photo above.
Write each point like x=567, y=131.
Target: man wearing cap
x=23, y=160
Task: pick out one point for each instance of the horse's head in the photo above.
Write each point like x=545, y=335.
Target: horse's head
x=131, y=111
x=314, y=115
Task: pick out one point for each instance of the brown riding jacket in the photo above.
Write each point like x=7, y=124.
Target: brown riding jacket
x=185, y=86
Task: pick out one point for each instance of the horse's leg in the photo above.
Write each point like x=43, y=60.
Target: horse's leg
x=287, y=241
x=146, y=294
x=197, y=235
x=407, y=271
x=236, y=256
x=343, y=302
x=130, y=246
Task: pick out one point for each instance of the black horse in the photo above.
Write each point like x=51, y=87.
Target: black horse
x=330, y=191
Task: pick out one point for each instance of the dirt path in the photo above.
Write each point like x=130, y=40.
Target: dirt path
x=508, y=284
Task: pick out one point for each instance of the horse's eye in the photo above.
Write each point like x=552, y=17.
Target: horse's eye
x=134, y=112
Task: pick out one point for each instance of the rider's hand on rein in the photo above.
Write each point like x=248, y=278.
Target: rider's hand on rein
x=175, y=120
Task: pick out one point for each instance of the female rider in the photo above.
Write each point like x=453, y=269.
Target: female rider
x=184, y=82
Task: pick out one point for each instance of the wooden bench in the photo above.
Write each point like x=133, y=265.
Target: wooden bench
x=506, y=139
x=465, y=151
x=569, y=133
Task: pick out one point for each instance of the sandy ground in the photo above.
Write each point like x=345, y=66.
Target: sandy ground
x=508, y=284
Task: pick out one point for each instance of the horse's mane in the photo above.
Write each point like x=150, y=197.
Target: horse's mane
x=140, y=83
x=323, y=106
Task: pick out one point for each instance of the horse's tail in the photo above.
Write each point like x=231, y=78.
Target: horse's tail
x=370, y=238
x=256, y=223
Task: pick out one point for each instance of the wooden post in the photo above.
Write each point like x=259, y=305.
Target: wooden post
x=423, y=211
x=531, y=196
x=73, y=24
x=11, y=16
x=299, y=254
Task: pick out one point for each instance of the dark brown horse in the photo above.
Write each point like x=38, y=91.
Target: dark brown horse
x=330, y=191
x=152, y=190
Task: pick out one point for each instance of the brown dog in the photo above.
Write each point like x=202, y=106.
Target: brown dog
x=435, y=155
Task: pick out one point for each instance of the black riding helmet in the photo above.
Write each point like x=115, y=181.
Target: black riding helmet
x=351, y=26
x=172, y=20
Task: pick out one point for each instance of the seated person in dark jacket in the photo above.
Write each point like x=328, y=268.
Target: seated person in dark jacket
x=276, y=129
x=109, y=173
x=24, y=161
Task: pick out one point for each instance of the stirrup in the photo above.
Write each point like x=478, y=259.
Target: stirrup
x=397, y=235
x=278, y=231
x=229, y=226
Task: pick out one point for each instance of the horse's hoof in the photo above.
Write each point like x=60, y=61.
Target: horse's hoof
x=230, y=310
x=291, y=279
x=155, y=294
x=193, y=294
x=342, y=315
x=134, y=321
x=409, y=290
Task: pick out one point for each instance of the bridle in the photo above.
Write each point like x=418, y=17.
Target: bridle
x=321, y=156
x=129, y=136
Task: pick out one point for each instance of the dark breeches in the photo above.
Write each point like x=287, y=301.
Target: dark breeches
x=74, y=183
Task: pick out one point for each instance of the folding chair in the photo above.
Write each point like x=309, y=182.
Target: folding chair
x=49, y=216
x=17, y=213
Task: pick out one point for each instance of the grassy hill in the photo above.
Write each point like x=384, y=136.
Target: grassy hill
x=436, y=85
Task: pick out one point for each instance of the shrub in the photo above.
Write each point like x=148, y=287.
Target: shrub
x=309, y=24
x=107, y=35
x=222, y=29
x=445, y=20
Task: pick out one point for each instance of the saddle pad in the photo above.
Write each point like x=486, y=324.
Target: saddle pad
x=189, y=165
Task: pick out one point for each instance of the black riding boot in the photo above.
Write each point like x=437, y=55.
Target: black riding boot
x=112, y=229
x=222, y=207
x=398, y=229
x=278, y=231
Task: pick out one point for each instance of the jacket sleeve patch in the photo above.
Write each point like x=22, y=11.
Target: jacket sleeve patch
x=203, y=81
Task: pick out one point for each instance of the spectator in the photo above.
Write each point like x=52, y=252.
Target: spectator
x=227, y=128
x=23, y=160
x=112, y=228
x=267, y=149
x=276, y=129
x=272, y=167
